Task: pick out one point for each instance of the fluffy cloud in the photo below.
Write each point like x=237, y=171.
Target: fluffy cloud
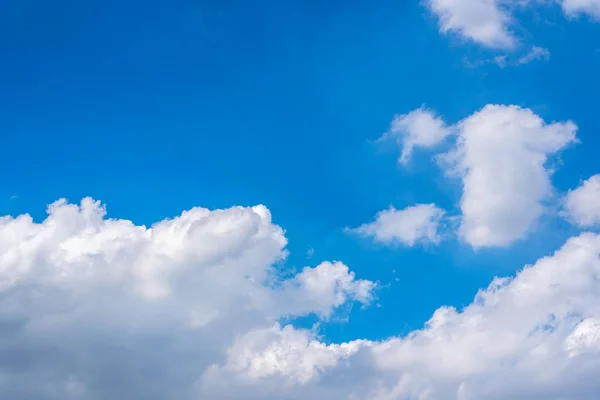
x=501, y=156
x=103, y=308
x=94, y=308
x=409, y=226
x=294, y=355
x=482, y=21
x=582, y=205
x=487, y=22
x=418, y=128
x=534, y=336
x=574, y=8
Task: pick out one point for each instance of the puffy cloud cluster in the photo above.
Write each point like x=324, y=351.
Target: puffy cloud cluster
x=95, y=308
x=534, y=336
x=501, y=154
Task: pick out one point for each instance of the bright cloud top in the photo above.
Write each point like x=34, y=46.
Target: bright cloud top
x=582, y=205
x=190, y=308
x=99, y=298
x=419, y=128
x=409, y=226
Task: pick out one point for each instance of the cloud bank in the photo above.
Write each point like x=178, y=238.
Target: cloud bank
x=192, y=307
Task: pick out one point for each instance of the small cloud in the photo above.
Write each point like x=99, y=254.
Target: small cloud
x=503, y=61
x=535, y=54
x=412, y=225
x=13, y=197
x=310, y=252
x=500, y=61
x=420, y=128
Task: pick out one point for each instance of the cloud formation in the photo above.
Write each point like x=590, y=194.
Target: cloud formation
x=501, y=156
x=481, y=21
x=582, y=205
x=418, y=128
x=94, y=308
x=409, y=226
x=488, y=22
x=103, y=308
x=575, y=8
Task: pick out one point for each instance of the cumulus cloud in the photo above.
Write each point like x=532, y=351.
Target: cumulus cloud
x=92, y=307
x=294, y=355
x=95, y=308
x=501, y=156
x=534, y=336
x=582, y=205
x=418, y=128
x=484, y=22
x=409, y=226
x=574, y=8
x=538, y=331
x=488, y=22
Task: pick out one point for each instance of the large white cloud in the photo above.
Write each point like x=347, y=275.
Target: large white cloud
x=538, y=331
x=535, y=336
x=409, y=226
x=93, y=308
x=501, y=156
x=105, y=308
x=582, y=205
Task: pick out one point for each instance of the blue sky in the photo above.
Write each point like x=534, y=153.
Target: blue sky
x=156, y=107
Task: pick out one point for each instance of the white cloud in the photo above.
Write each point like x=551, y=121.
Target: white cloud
x=582, y=205
x=418, y=128
x=408, y=226
x=97, y=308
x=295, y=355
x=540, y=331
x=573, y=8
x=321, y=289
x=488, y=22
x=536, y=53
x=501, y=156
x=103, y=308
x=484, y=22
